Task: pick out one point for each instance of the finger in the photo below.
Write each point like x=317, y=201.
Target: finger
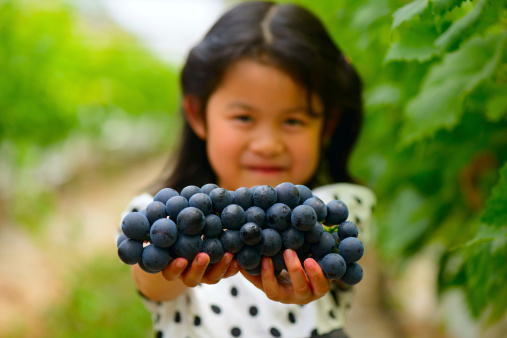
x=218, y=270
x=193, y=275
x=173, y=270
x=255, y=280
x=300, y=283
x=319, y=283
x=269, y=281
x=232, y=270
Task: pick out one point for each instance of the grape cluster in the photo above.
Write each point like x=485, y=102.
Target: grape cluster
x=250, y=223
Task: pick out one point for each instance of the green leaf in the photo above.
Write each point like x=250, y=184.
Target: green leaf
x=458, y=29
x=496, y=106
x=439, y=104
x=384, y=94
x=408, y=11
x=416, y=43
x=485, y=234
x=445, y=5
x=495, y=213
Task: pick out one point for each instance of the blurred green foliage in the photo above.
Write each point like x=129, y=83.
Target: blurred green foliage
x=435, y=135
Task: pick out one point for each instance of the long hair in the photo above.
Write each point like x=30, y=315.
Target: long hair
x=294, y=41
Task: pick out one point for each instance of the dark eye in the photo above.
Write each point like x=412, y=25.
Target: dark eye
x=243, y=118
x=294, y=122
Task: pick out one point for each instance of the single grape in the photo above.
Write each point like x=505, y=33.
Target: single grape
x=347, y=229
x=250, y=233
x=163, y=233
x=288, y=194
x=164, y=195
x=220, y=198
x=120, y=239
x=174, y=206
x=256, y=215
x=303, y=217
x=155, y=258
x=233, y=217
x=190, y=221
x=333, y=265
x=326, y=245
x=292, y=238
x=155, y=210
x=271, y=242
x=207, y=188
x=213, y=247
x=304, y=193
x=278, y=217
x=351, y=249
x=353, y=274
x=337, y=212
x=243, y=197
x=278, y=261
x=189, y=191
x=130, y=251
x=212, y=226
x=135, y=225
x=186, y=246
x=231, y=241
x=319, y=207
x=314, y=235
x=264, y=197
x=254, y=271
x=248, y=257
x=202, y=202
x=144, y=268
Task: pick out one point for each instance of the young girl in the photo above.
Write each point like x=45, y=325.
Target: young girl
x=267, y=98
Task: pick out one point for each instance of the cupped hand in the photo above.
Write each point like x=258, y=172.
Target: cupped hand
x=301, y=288
x=198, y=273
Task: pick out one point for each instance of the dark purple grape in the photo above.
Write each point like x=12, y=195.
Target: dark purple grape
x=333, y=265
x=144, y=268
x=163, y=233
x=264, y=197
x=303, y=217
x=292, y=238
x=213, y=247
x=155, y=258
x=326, y=245
x=248, y=257
x=186, y=246
x=278, y=261
x=337, y=212
x=207, y=188
x=174, y=206
x=278, y=217
x=212, y=226
x=120, y=239
x=165, y=194
x=243, y=197
x=189, y=191
x=255, y=271
x=202, y=202
x=155, y=210
x=347, y=229
x=351, y=249
x=319, y=207
x=256, y=215
x=135, y=225
x=144, y=213
x=353, y=274
x=231, y=241
x=233, y=217
x=220, y=198
x=314, y=235
x=250, y=233
x=335, y=236
x=190, y=221
x=288, y=194
x=304, y=193
x=271, y=242
x=130, y=251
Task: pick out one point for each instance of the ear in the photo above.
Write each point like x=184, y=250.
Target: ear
x=194, y=115
x=331, y=123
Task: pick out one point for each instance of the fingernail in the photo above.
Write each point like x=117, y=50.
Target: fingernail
x=228, y=258
x=310, y=263
x=265, y=263
x=201, y=260
x=181, y=263
x=235, y=264
x=289, y=254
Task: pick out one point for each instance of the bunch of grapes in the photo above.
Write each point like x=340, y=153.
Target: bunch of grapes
x=250, y=223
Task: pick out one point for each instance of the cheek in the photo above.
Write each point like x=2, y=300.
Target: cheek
x=305, y=154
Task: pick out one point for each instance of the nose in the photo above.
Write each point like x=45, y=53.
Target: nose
x=267, y=142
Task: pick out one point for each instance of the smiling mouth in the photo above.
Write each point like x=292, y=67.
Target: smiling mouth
x=266, y=169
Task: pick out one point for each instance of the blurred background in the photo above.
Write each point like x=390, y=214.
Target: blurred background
x=88, y=107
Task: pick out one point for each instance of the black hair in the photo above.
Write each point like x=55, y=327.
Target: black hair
x=292, y=39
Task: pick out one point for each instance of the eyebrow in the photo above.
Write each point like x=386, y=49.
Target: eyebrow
x=297, y=109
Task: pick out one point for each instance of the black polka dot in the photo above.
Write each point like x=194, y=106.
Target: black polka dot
x=357, y=220
x=253, y=311
x=135, y=210
x=234, y=291
x=188, y=299
x=177, y=317
x=275, y=333
x=157, y=319
x=335, y=196
x=335, y=297
x=197, y=320
x=215, y=309
x=292, y=319
x=331, y=314
x=159, y=334
x=314, y=333
x=359, y=201
x=236, y=332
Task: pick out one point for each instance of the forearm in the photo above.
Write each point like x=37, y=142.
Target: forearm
x=155, y=286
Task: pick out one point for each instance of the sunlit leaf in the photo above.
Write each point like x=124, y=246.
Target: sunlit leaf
x=408, y=11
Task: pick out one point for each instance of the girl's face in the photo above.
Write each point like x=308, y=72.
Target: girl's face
x=259, y=129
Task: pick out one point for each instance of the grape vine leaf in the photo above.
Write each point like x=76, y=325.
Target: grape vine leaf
x=408, y=11
x=445, y=5
x=495, y=213
x=416, y=43
x=496, y=107
x=439, y=104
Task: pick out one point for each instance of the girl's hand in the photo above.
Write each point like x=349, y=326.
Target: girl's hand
x=198, y=273
x=302, y=288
